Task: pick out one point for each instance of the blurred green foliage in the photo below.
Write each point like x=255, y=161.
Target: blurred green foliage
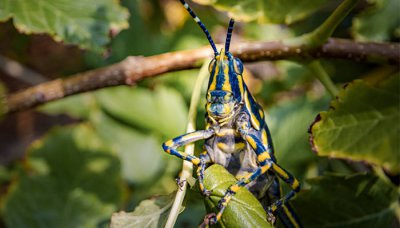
x=83, y=23
x=77, y=176
x=373, y=24
x=359, y=200
x=70, y=179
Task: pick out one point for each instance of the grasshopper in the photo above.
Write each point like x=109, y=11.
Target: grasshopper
x=237, y=137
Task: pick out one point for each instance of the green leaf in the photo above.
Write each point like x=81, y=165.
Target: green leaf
x=71, y=180
x=284, y=11
x=362, y=124
x=86, y=23
x=244, y=210
x=162, y=110
x=151, y=213
x=347, y=201
x=78, y=106
x=378, y=23
x=289, y=123
x=140, y=154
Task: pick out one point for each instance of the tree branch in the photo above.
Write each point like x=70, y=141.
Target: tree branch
x=133, y=69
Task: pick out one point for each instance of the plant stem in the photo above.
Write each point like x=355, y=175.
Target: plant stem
x=323, y=77
x=321, y=34
x=187, y=167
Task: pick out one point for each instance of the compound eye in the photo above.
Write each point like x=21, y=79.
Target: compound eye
x=211, y=66
x=238, y=66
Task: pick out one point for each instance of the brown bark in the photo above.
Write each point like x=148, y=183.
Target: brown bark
x=133, y=69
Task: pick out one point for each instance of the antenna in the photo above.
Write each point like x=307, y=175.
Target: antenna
x=228, y=36
x=202, y=26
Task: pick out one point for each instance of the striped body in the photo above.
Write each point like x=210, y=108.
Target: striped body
x=237, y=137
x=228, y=149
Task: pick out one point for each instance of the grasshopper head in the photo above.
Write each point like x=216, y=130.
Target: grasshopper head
x=225, y=88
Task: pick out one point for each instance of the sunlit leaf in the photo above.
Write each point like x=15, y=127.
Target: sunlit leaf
x=162, y=110
x=244, y=210
x=140, y=154
x=86, y=23
x=284, y=11
x=151, y=213
x=71, y=180
x=379, y=23
x=347, y=201
x=362, y=124
x=78, y=106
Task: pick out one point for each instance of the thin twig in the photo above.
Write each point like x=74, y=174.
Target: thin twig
x=323, y=77
x=133, y=69
x=187, y=167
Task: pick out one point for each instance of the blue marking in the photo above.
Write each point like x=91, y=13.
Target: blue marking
x=256, y=174
x=165, y=147
x=220, y=77
x=212, y=75
x=176, y=153
x=255, y=107
x=260, y=147
x=218, y=93
x=233, y=80
x=263, y=163
x=178, y=140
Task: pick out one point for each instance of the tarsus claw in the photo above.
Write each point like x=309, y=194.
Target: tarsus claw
x=209, y=219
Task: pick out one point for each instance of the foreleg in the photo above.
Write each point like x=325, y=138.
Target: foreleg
x=171, y=146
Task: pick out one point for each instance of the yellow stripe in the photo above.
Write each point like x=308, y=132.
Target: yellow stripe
x=252, y=142
x=264, y=137
x=290, y=216
x=280, y=171
x=254, y=121
x=219, y=216
x=235, y=188
x=261, y=112
x=223, y=146
x=196, y=161
x=213, y=85
x=227, y=85
x=230, y=147
x=240, y=145
x=169, y=143
x=263, y=156
x=295, y=184
x=265, y=168
x=226, y=132
x=240, y=81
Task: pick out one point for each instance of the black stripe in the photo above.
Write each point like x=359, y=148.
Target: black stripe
x=229, y=35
